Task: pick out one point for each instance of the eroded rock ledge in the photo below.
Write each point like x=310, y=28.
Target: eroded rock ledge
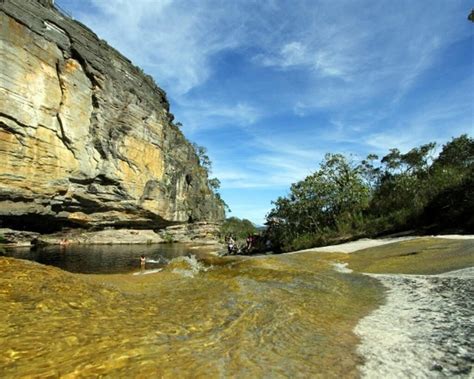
x=86, y=139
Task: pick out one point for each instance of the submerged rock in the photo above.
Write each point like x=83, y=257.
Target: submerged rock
x=86, y=138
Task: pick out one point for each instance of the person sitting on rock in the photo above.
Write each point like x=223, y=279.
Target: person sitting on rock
x=249, y=242
x=230, y=245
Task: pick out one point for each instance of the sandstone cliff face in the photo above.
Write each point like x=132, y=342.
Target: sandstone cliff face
x=86, y=139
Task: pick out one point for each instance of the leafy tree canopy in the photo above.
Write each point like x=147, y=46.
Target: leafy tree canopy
x=401, y=191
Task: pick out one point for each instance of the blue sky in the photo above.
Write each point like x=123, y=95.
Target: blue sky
x=269, y=87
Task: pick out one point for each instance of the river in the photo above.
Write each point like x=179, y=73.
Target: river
x=104, y=259
x=291, y=315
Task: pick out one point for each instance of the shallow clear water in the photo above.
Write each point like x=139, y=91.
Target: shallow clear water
x=281, y=316
x=260, y=317
x=102, y=259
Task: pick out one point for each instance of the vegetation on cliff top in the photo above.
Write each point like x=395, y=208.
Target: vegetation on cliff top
x=213, y=183
x=401, y=191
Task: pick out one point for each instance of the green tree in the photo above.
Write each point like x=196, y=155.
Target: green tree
x=214, y=184
x=400, y=194
x=331, y=200
x=449, y=191
x=370, y=171
x=392, y=161
x=414, y=161
x=418, y=159
x=402, y=191
x=204, y=159
x=459, y=153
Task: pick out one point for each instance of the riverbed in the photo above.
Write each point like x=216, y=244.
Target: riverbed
x=291, y=315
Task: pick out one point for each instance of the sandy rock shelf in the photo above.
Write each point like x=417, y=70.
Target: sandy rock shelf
x=427, y=323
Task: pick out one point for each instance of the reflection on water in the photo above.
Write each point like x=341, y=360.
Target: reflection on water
x=96, y=259
x=272, y=317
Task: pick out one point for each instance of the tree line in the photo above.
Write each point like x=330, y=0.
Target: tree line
x=412, y=191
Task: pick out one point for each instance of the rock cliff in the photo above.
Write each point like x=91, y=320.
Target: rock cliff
x=86, y=138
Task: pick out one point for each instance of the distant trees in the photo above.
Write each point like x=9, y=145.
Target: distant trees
x=450, y=201
x=238, y=228
x=459, y=153
x=401, y=191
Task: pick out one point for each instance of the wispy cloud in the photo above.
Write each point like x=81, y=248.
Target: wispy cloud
x=208, y=115
x=290, y=55
x=174, y=40
x=351, y=51
x=354, y=52
x=443, y=116
x=279, y=159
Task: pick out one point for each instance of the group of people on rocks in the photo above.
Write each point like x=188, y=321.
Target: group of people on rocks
x=253, y=243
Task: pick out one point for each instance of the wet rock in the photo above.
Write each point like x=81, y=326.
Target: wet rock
x=437, y=367
x=17, y=238
x=102, y=237
x=198, y=232
x=202, y=233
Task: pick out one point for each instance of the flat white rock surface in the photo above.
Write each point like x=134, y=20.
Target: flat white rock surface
x=365, y=243
x=425, y=329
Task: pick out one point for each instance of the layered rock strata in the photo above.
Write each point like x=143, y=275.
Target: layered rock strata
x=87, y=139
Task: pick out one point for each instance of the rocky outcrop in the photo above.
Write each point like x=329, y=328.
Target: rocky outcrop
x=202, y=233
x=100, y=237
x=87, y=139
x=15, y=238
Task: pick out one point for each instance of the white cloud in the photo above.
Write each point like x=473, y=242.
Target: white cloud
x=173, y=40
x=280, y=158
x=270, y=169
x=445, y=116
x=350, y=51
x=354, y=52
x=291, y=54
x=204, y=115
